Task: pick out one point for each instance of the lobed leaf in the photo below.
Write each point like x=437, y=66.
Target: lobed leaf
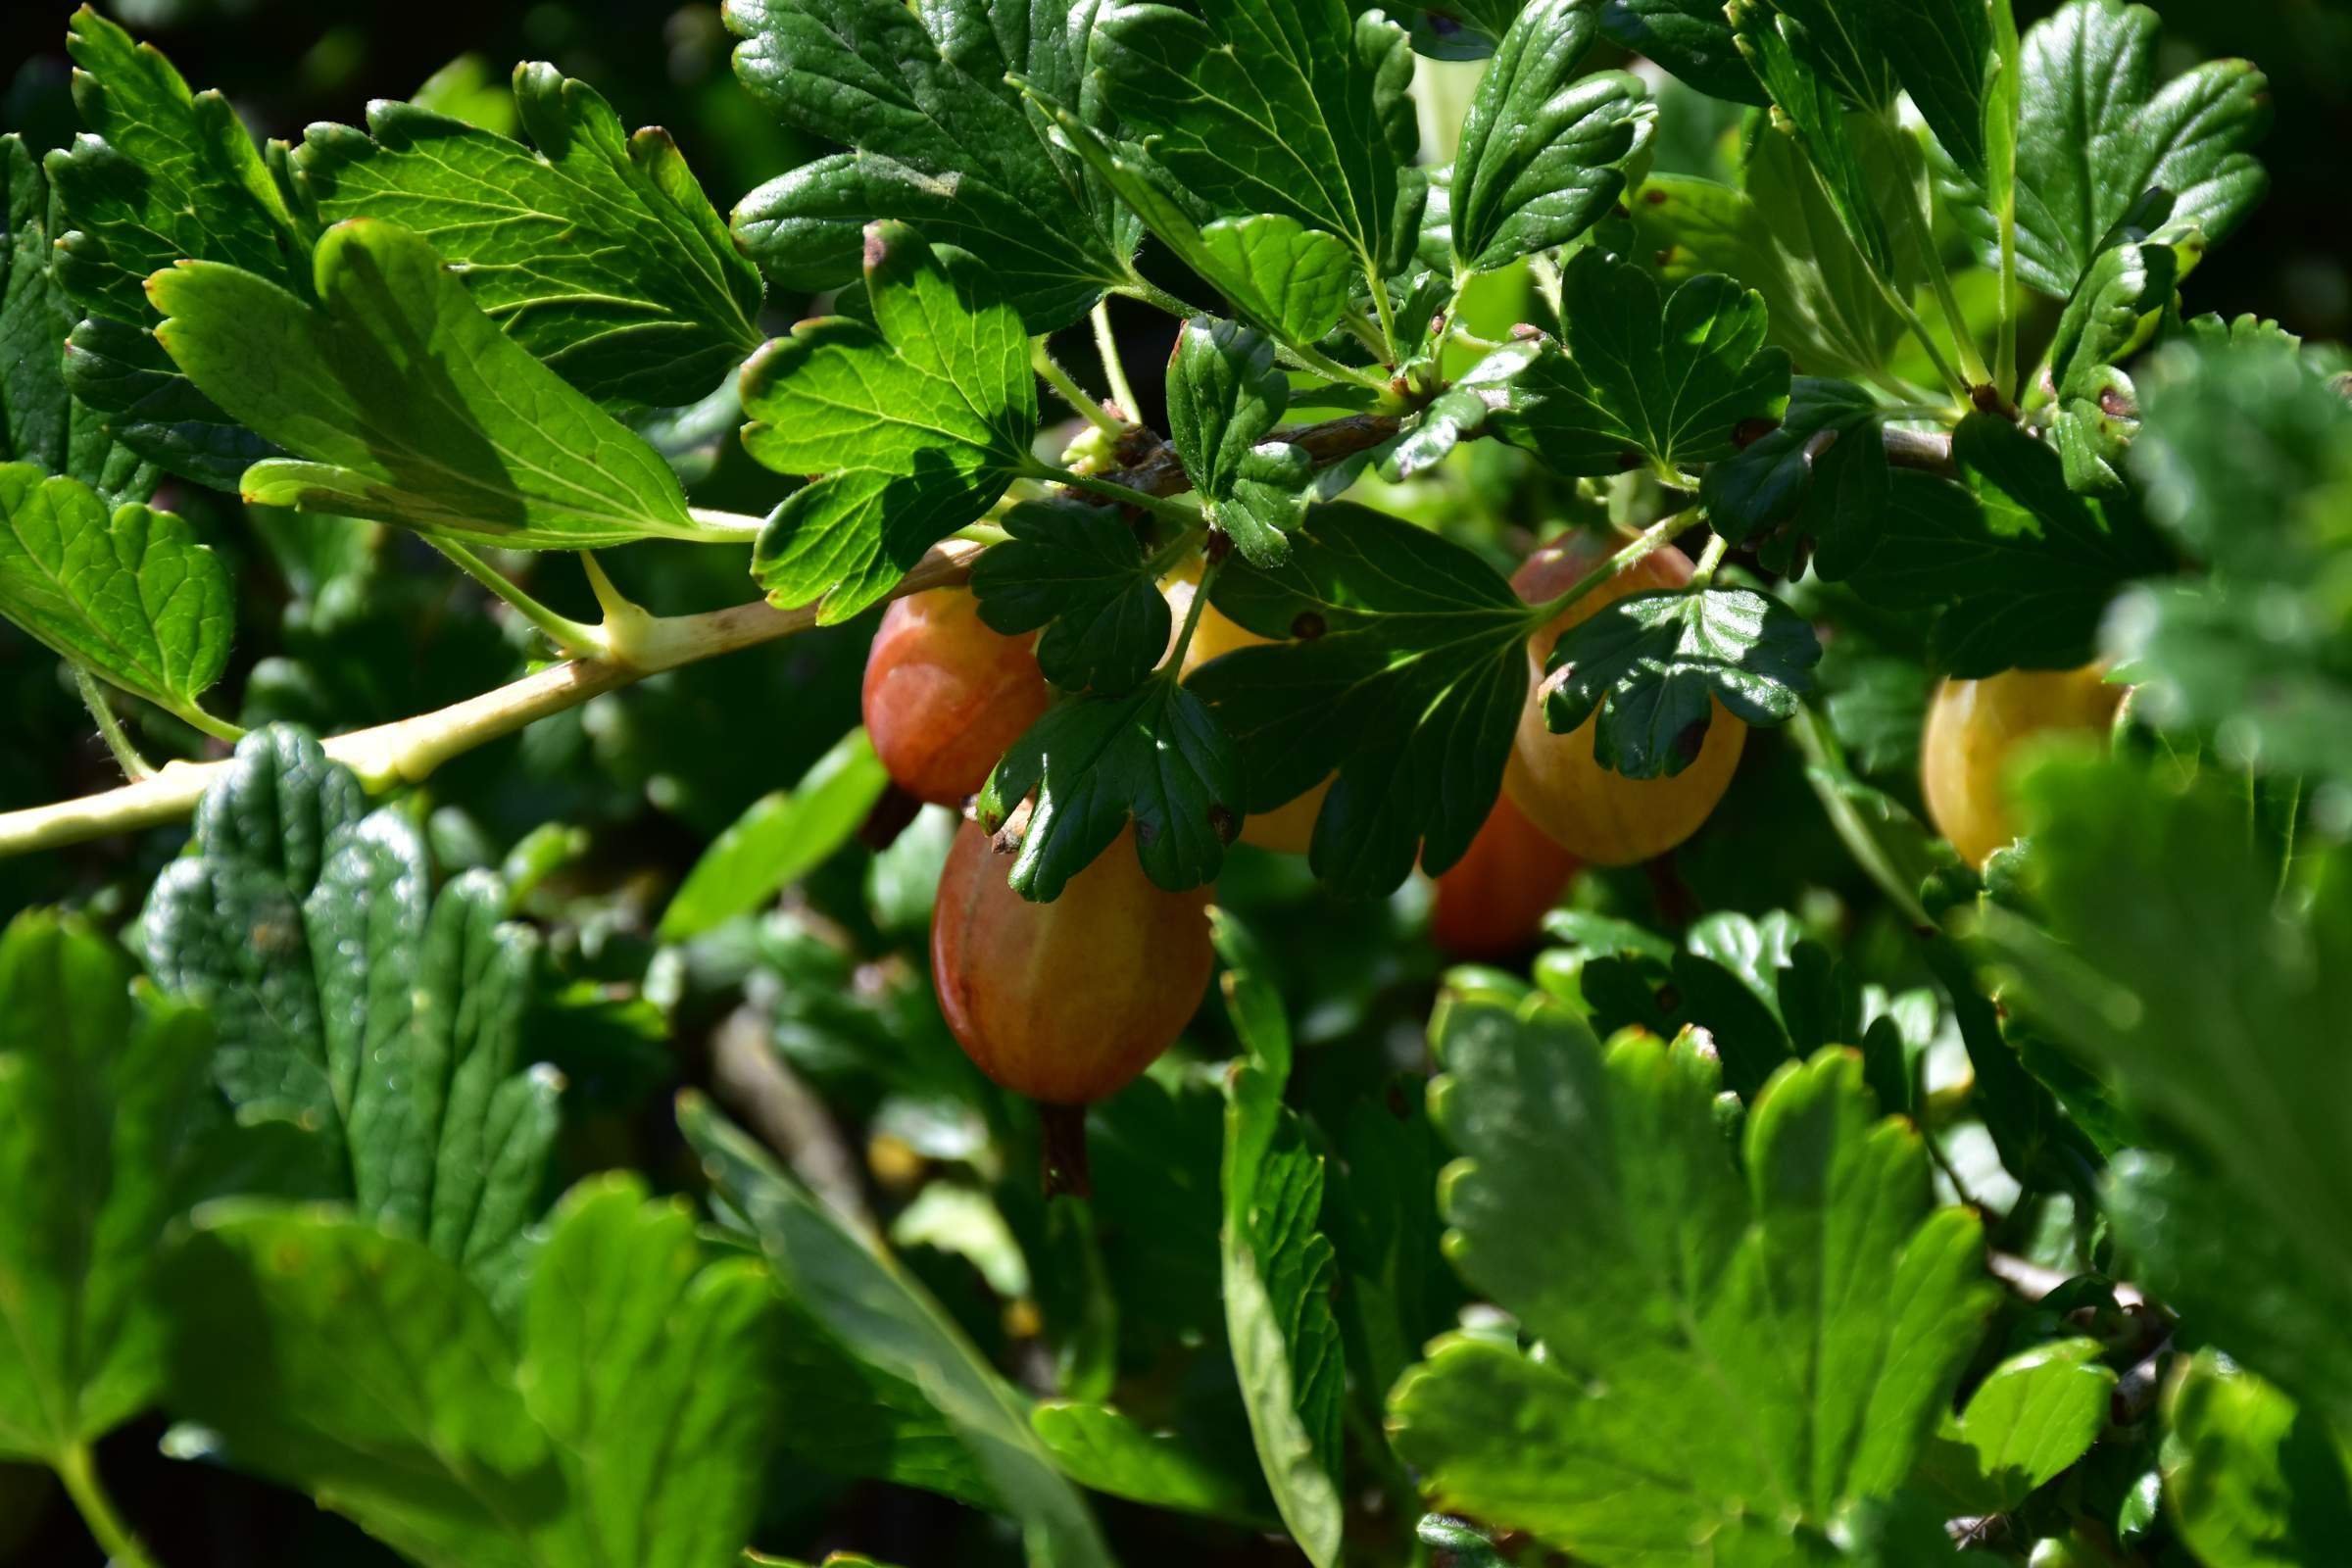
x=1640, y=381
x=911, y=425
x=1403, y=668
x=597, y=252
x=404, y=403
x=1817, y=485
x=1225, y=396
x=128, y=594
x=939, y=139
x=1657, y=665
x=1078, y=571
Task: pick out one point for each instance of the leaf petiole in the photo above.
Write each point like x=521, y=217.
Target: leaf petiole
x=110, y=728
x=1703, y=575
x=1114, y=368
x=1066, y=387
x=1161, y=507
x=1192, y=614
x=79, y=1477
x=569, y=636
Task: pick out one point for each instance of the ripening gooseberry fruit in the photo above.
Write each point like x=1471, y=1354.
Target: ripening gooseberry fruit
x=1290, y=827
x=1491, y=903
x=945, y=696
x=1065, y=1002
x=1595, y=813
x=1975, y=728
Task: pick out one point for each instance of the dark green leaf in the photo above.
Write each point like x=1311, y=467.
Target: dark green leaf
x=357, y=1365
x=1404, y=670
x=1542, y=154
x=779, y=839
x=403, y=402
x=1936, y=50
x=39, y=422
x=887, y=1319
x=128, y=594
x=2018, y=568
x=916, y=424
x=1155, y=757
x=1776, y=1341
x=350, y=1001
x=1689, y=38
x=162, y=176
x=97, y=1091
x=1225, y=396
x=2102, y=150
x=1812, y=112
x=941, y=140
x=597, y=252
x=1278, y=1268
x=1079, y=573
x=1820, y=480
x=1294, y=107
x=1654, y=665
x=1644, y=381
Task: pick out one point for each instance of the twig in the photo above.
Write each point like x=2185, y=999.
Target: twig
x=407, y=750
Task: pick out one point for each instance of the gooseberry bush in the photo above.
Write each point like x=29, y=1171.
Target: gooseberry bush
x=1649, y=869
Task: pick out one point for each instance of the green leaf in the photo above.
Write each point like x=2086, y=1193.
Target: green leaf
x=1689, y=38
x=1769, y=1339
x=885, y=1318
x=352, y=1002
x=161, y=175
x=2034, y=1417
x=1292, y=107
x=2218, y=1017
x=99, y=1091
x=1817, y=483
x=1154, y=756
x=361, y=1368
x=1814, y=115
x=940, y=141
x=915, y=423
x=2017, y=569
x=2250, y=1480
x=2103, y=151
x=1078, y=571
x=1644, y=381
x=1225, y=396
x=39, y=422
x=2092, y=405
x=403, y=402
x=1108, y=1452
x=129, y=386
x=598, y=252
x=1780, y=238
x=780, y=837
x=1654, y=665
x=1542, y=154
x=1938, y=51
x=1278, y=1268
x=1404, y=670
x=128, y=594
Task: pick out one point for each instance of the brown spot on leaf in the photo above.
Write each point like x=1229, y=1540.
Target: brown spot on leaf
x=1228, y=825
x=1628, y=459
x=1307, y=626
x=1686, y=745
x=1654, y=196
x=1747, y=432
x=1218, y=546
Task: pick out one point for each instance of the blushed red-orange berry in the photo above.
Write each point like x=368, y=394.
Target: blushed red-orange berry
x=945, y=694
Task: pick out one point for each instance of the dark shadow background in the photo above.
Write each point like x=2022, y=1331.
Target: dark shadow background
x=645, y=773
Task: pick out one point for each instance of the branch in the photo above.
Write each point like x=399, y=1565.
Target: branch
x=407, y=752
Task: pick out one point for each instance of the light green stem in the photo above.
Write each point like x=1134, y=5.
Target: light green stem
x=570, y=635
x=97, y=1510
x=1172, y=511
x=1114, y=368
x=1066, y=388
x=1703, y=575
x=1388, y=316
x=1192, y=614
x=110, y=730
